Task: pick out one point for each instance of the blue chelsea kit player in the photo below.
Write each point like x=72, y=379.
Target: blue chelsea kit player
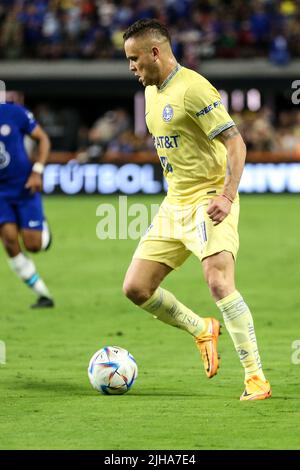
x=22, y=218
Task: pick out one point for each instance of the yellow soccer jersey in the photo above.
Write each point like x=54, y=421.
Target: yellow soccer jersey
x=183, y=116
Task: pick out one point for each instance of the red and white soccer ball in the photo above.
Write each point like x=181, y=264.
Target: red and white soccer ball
x=112, y=370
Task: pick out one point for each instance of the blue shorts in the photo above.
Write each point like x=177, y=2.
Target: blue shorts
x=26, y=212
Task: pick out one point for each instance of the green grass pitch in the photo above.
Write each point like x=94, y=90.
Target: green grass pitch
x=46, y=401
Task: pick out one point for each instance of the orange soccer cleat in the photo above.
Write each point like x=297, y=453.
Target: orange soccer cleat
x=256, y=389
x=206, y=342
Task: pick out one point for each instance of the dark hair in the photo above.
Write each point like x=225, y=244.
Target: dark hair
x=141, y=27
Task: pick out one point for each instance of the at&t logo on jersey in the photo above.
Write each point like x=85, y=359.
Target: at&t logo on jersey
x=166, y=141
x=168, y=113
x=4, y=156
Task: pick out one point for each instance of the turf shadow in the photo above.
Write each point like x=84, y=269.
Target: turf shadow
x=53, y=387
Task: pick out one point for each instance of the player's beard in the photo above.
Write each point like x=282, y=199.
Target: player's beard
x=149, y=81
x=149, y=77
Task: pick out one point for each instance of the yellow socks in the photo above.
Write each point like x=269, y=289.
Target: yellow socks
x=237, y=317
x=239, y=323
x=166, y=308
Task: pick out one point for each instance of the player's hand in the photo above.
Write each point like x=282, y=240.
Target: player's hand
x=34, y=182
x=218, y=209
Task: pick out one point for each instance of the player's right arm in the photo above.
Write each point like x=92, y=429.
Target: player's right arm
x=34, y=182
x=208, y=111
x=236, y=155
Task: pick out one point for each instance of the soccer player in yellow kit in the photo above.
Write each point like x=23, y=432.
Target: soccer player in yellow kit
x=202, y=154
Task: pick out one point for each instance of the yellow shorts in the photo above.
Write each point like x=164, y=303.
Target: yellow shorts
x=178, y=231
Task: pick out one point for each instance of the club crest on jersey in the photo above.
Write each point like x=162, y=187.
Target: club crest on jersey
x=167, y=113
x=5, y=130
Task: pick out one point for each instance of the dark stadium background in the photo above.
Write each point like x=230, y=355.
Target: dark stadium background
x=64, y=60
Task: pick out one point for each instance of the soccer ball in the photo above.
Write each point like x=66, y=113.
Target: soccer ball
x=112, y=370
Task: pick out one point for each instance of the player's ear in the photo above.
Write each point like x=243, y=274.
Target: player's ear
x=155, y=53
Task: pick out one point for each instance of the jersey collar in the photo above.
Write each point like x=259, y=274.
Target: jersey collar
x=169, y=77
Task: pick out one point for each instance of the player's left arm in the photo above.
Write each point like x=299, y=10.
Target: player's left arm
x=220, y=206
x=35, y=182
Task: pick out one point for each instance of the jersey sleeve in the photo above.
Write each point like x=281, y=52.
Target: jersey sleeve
x=203, y=104
x=26, y=120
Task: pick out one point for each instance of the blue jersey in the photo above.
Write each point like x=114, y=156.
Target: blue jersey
x=15, y=166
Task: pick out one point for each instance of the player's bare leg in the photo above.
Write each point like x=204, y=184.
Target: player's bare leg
x=10, y=238
x=219, y=274
x=141, y=286
x=32, y=240
x=143, y=277
x=24, y=267
x=37, y=240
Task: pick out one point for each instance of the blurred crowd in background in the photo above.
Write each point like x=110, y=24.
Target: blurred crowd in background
x=200, y=30
x=264, y=132
x=112, y=134
x=203, y=29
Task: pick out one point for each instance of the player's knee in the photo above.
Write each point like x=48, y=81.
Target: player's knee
x=136, y=293
x=34, y=246
x=217, y=285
